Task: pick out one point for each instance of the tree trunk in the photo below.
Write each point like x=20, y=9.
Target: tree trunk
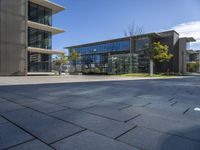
x=151, y=67
x=75, y=67
x=60, y=69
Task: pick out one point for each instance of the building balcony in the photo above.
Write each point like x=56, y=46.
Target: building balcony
x=44, y=51
x=43, y=27
x=53, y=6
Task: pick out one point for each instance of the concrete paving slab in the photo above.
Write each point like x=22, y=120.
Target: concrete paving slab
x=111, y=113
x=182, y=129
x=3, y=100
x=153, y=140
x=112, y=105
x=17, y=98
x=170, y=106
x=46, y=128
x=9, y=106
x=2, y=120
x=51, y=99
x=44, y=107
x=11, y=135
x=104, y=126
x=91, y=141
x=80, y=104
x=32, y=145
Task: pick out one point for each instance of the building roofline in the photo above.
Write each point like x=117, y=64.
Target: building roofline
x=46, y=3
x=169, y=31
x=189, y=39
x=116, y=39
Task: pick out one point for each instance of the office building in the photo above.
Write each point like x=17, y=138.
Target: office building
x=26, y=36
x=128, y=54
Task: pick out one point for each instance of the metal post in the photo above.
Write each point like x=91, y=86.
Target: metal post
x=131, y=56
x=199, y=61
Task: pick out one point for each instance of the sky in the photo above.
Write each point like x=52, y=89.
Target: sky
x=86, y=21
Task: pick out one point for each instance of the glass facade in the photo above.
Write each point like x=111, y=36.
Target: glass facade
x=141, y=46
x=142, y=43
x=39, y=14
x=39, y=62
x=40, y=39
x=94, y=58
x=114, y=57
x=104, y=48
x=120, y=64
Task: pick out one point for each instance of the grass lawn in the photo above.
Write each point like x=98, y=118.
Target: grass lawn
x=145, y=75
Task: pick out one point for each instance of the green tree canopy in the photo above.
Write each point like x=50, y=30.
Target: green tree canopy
x=61, y=59
x=160, y=52
x=74, y=56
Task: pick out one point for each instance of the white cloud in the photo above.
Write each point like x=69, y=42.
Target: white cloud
x=189, y=29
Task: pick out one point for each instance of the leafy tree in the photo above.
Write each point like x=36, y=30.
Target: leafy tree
x=60, y=60
x=74, y=57
x=158, y=52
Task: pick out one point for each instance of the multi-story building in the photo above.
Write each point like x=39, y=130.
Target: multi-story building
x=193, y=61
x=26, y=36
x=128, y=54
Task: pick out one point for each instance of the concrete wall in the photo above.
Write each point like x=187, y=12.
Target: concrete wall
x=13, y=37
x=182, y=55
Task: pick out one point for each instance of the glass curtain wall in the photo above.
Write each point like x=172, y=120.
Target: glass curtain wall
x=120, y=64
x=94, y=58
x=40, y=39
x=142, y=45
x=104, y=47
x=39, y=14
x=39, y=62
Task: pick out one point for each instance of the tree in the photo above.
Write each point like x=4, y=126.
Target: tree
x=160, y=53
x=132, y=30
x=74, y=57
x=60, y=60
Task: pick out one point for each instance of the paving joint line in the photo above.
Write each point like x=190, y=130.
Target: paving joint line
x=186, y=111
x=125, y=107
x=34, y=137
x=7, y=148
x=67, y=136
x=146, y=105
x=125, y=132
x=174, y=103
x=171, y=99
x=102, y=116
x=132, y=118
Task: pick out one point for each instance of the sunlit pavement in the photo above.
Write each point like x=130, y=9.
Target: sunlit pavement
x=99, y=113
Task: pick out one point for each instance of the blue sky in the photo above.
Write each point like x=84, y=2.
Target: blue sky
x=95, y=20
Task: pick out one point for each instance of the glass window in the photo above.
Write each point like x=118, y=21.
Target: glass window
x=39, y=38
x=104, y=48
x=39, y=14
x=142, y=43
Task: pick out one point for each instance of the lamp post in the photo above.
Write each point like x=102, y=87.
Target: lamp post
x=199, y=61
x=94, y=53
x=131, y=56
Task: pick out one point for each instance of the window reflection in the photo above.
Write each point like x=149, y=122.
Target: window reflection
x=39, y=14
x=40, y=39
x=142, y=43
x=104, y=48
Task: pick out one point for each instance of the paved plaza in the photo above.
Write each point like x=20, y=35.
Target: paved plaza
x=99, y=113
